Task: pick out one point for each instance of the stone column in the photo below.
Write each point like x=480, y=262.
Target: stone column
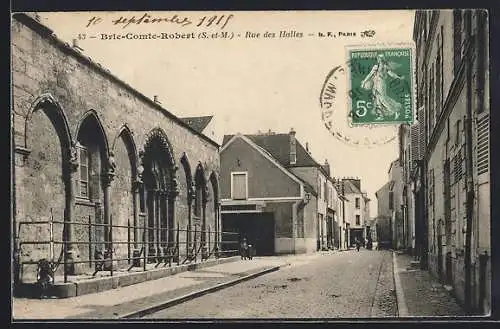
x=191, y=197
x=136, y=190
x=70, y=252
x=107, y=178
x=204, y=228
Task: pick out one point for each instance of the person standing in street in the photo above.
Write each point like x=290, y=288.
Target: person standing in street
x=358, y=244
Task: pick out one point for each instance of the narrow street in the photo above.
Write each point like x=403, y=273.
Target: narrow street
x=344, y=284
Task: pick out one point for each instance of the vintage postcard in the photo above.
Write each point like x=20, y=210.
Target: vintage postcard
x=250, y=165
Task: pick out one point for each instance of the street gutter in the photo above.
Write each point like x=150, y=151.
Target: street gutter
x=195, y=294
x=400, y=298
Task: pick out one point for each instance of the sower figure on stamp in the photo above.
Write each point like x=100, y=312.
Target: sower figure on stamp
x=377, y=80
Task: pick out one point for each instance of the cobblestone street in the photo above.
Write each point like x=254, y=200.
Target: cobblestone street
x=345, y=284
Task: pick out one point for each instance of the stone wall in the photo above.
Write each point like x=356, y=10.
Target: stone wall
x=54, y=89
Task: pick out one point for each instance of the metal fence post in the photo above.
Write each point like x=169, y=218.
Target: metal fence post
x=65, y=251
x=144, y=244
x=111, y=241
x=178, y=245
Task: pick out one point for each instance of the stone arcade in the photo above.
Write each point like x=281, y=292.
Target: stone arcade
x=89, y=149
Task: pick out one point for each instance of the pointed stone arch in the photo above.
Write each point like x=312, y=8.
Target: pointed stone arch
x=127, y=136
x=45, y=171
x=159, y=135
x=53, y=109
x=201, y=196
x=91, y=117
x=125, y=193
x=214, y=182
x=189, y=176
x=161, y=189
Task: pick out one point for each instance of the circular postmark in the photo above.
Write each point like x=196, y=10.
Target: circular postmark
x=365, y=100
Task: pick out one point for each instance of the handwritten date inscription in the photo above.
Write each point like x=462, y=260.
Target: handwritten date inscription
x=220, y=21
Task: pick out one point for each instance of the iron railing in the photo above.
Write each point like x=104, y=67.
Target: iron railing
x=169, y=246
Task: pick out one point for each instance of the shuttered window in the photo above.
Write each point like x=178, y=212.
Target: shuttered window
x=482, y=153
x=239, y=185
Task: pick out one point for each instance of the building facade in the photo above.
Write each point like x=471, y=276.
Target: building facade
x=383, y=221
x=356, y=210
x=266, y=201
x=98, y=164
x=396, y=201
x=453, y=91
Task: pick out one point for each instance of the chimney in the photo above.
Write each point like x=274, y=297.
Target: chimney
x=270, y=132
x=76, y=46
x=307, y=147
x=293, y=147
x=155, y=99
x=326, y=167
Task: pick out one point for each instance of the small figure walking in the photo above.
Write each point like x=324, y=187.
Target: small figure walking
x=358, y=244
x=244, y=249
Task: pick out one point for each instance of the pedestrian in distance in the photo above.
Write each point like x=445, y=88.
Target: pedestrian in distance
x=244, y=249
x=358, y=244
x=251, y=251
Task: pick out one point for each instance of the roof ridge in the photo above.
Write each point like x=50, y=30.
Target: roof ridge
x=49, y=34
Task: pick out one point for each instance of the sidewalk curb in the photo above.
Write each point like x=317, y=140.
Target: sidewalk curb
x=400, y=299
x=195, y=294
x=101, y=284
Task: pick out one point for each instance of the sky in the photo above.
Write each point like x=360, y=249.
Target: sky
x=250, y=84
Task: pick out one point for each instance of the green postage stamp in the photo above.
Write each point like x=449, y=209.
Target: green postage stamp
x=381, y=85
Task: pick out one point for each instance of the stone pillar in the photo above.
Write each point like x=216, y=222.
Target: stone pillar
x=70, y=252
x=191, y=197
x=107, y=178
x=205, y=198
x=171, y=197
x=136, y=190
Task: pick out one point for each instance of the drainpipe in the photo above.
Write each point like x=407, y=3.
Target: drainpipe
x=343, y=212
x=469, y=179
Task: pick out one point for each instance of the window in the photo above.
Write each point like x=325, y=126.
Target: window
x=239, y=185
x=439, y=67
x=432, y=86
x=84, y=171
x=357, y=203
x=325, y=187
x=358, y=220
x=391, y=200
x=458, y=137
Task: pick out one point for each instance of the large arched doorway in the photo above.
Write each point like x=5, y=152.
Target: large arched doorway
x=215, y=238
x=200, y=200
x=189, y=197
x=91, y=183
x=123, y=200
x=160, y=190
x=45, y=170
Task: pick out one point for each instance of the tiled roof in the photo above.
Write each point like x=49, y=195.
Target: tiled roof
x=349, y=187
x=278, y=145
x=277, y=151
x=198, y=123
x=307, y=186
